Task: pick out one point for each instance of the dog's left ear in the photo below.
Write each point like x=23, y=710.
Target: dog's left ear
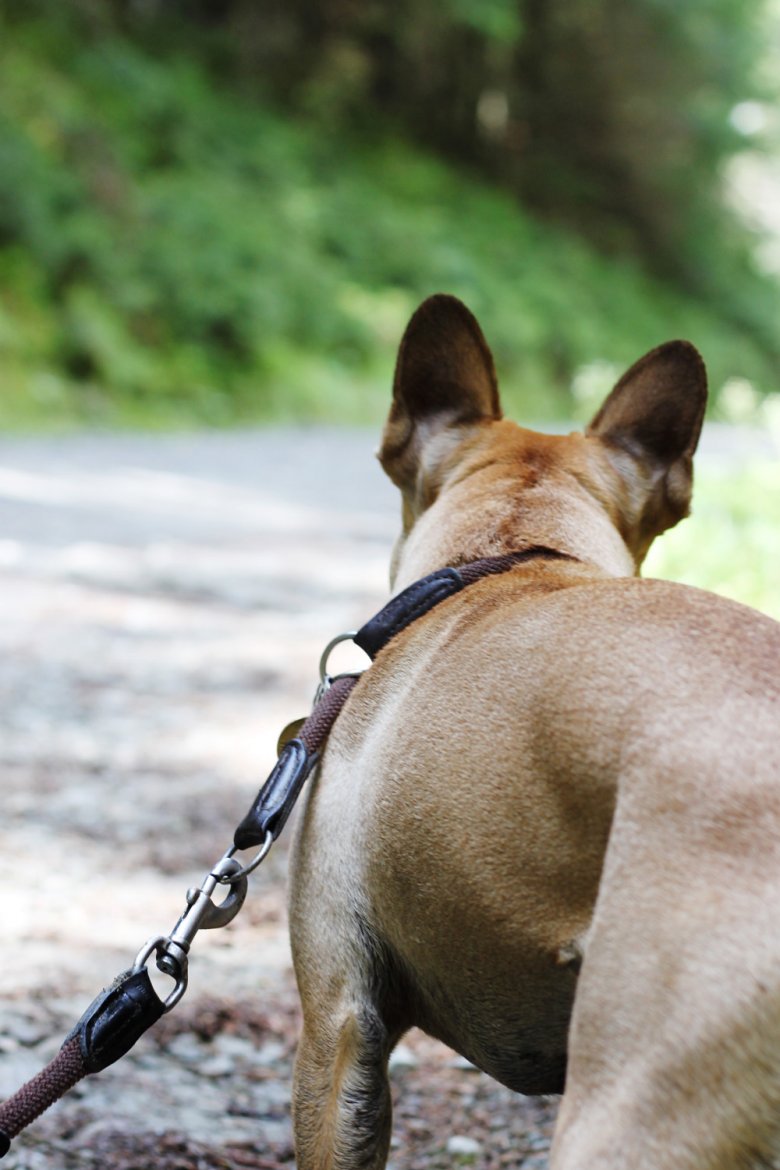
x=654, y=415
x=444, y=377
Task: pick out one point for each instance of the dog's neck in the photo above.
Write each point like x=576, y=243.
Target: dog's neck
x=476, y=499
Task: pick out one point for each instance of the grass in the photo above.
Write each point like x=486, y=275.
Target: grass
x=731, y=542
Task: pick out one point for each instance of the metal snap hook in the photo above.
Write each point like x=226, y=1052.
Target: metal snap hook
x=227, y=871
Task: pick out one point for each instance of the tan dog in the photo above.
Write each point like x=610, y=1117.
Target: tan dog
x=560, y=767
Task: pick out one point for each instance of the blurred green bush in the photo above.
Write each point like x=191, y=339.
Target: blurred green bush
x=172, y=249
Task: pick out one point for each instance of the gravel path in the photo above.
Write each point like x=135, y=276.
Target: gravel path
x=165, y=601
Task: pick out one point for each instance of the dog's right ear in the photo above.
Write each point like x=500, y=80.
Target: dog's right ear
x=654, y=417
x=444, y=377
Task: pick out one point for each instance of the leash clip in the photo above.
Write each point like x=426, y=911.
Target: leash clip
x=201, y=914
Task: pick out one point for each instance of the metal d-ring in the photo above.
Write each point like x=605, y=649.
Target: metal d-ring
x=176, y=967
x=250, y=867
x=349, y=636
x=326, y=680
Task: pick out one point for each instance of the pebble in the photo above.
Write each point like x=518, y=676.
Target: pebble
x=235, y=1048
x=187, y=1048
x=216, y=1066
x=21, y=1030
x=271, y=1053
x=402, y=1057
x=461, y=1146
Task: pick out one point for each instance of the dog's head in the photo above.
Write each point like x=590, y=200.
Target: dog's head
x=474, y=484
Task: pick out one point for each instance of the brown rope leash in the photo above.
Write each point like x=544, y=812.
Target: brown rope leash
x=34, y=1098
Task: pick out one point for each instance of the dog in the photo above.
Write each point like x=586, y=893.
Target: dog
x=546, y=826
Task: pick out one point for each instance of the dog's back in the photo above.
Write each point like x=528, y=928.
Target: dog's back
x=522, y=718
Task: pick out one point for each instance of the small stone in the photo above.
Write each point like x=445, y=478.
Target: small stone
x=236, y=1048
x=402, y=1057
x=216, y=1066
x=22, y=1031
x=466, y=1148
x=271, y=1053
x=187, y=1048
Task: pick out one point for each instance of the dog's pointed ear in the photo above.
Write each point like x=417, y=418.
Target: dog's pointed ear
x=444, y=377
x=655, y=414
x=657, y=407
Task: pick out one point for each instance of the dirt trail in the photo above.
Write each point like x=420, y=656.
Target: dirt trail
x=164, y=604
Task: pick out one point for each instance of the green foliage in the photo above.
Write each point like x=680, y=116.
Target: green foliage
x=497, y=20
x=171, y=250
x=731, y=543
x=613, y=118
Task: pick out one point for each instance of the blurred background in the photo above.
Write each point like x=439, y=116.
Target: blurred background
x=221, y=210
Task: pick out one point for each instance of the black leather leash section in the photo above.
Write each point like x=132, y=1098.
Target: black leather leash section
x=108, y=1029
x=116, y=1019
x=122, y=1013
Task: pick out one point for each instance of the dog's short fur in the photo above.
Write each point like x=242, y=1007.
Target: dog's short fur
x=561, y=767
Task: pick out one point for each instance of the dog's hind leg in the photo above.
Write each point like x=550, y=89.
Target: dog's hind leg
x=341, y=1091
x=352, y=995
x=341, y=1095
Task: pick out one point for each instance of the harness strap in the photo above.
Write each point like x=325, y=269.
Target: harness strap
x=417, y=599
